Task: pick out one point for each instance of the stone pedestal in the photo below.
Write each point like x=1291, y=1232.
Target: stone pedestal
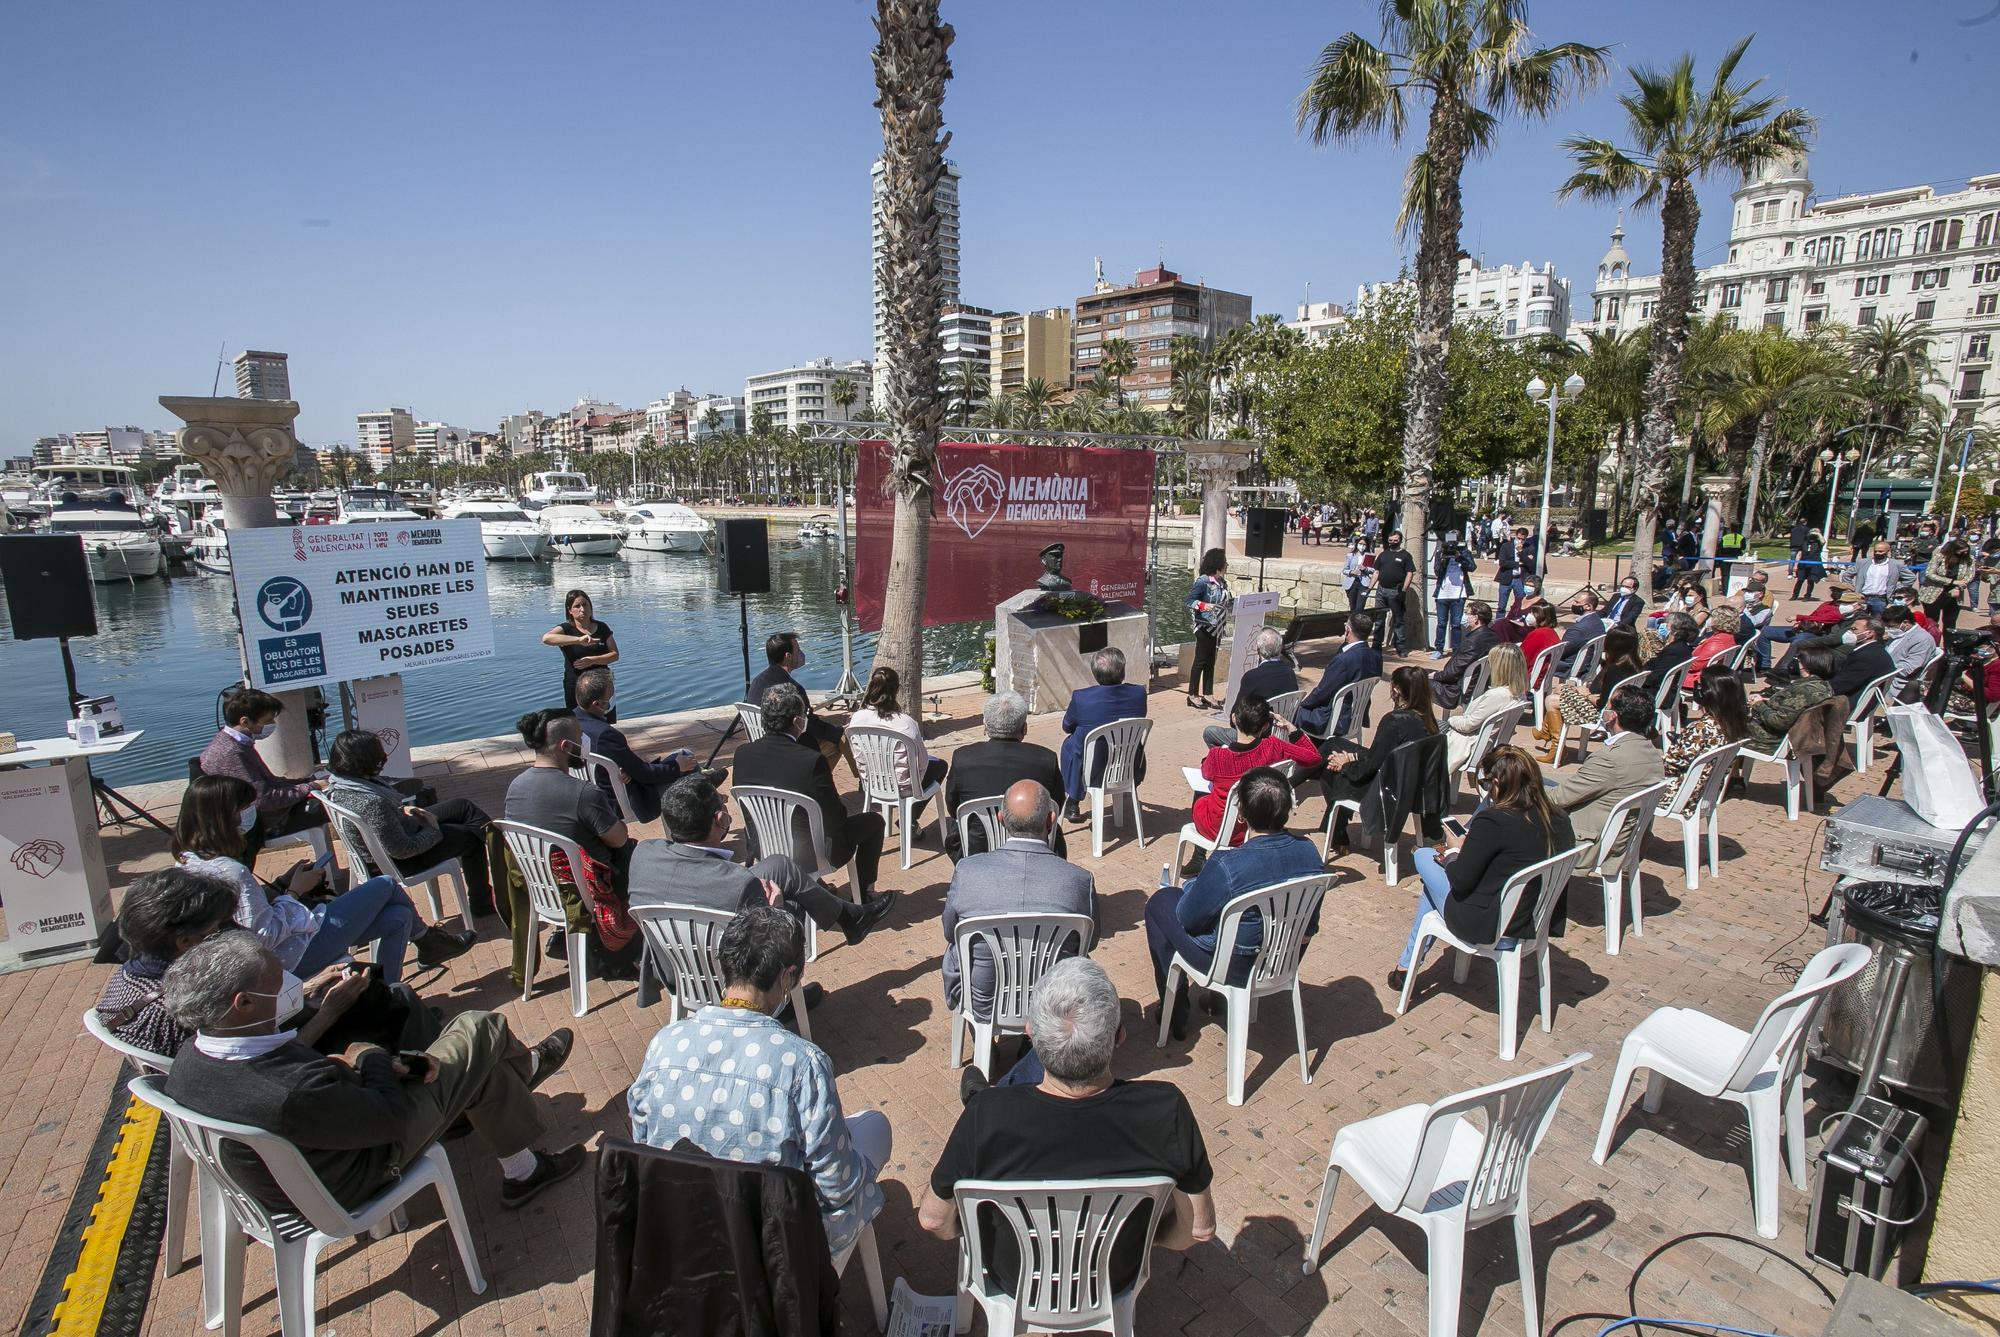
x=1715, y=489
x=1217, y=464
x=1040, y=655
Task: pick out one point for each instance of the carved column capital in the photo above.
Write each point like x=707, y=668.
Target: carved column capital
x=245, y=445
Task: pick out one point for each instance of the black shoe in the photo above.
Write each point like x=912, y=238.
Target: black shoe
x=1397, y=977
x=815, y=995
x=550, y=1168
x=866, y=916
x=557, y=947
x=971, y=1083
x=1073, y=812
x=438, y=946
x=551, y=1054
x=1177, y=1029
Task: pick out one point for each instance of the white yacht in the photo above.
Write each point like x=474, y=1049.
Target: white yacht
x=120, y=543
x=816, y=529
x=663, y=526
x=580, y=531
x=372, y=506
x=86, y=480
x=187, y=484
x=505, y=530
x=559, y=487
x=208, y=547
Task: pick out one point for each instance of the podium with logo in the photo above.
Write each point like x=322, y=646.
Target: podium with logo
x=54, y=895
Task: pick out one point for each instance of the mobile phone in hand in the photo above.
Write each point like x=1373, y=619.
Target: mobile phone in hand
x=324, y=861
x=1456, y=827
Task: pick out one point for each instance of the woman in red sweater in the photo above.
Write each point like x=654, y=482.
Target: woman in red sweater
x=1255, y=746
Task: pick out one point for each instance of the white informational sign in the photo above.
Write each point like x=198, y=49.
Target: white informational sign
x=53, y=891
x=1250, y=612
x=378, y=708
x=332, y=603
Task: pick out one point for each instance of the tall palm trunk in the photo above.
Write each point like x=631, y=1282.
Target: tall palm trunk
x=1680, y=213
x=1618, y=493
x=1760, y=452
x=911, y=69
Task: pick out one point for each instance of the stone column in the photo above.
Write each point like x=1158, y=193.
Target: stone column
x=1715, y=489
x=1217, y=464
x=246, y=446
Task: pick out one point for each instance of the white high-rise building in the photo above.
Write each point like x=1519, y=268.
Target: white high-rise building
x=667, y=418
x=1798, y=264
x=947, y=207
x=261, y=375
x=713, y=414
x=441, y=441
x=1519, y=301
x=380, y=434
x=796, y=396
x=967, y=333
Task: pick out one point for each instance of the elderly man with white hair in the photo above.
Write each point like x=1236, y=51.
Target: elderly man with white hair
x=1270, y=677
x=990, y=768
x=1060, y=1115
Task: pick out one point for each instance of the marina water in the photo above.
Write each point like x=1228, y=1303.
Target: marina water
x=167, y=648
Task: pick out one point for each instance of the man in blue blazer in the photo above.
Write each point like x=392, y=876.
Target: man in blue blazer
x=1112, y=699
x=1356, y=660
x=1626, y=605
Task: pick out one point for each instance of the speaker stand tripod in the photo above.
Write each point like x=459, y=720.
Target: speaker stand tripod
x=113, y=808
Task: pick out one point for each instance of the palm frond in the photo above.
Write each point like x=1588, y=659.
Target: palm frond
x=1353, y=91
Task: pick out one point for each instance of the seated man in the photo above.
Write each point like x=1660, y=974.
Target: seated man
x=284, y=807
x=546, y=795
x=1075, y=1122
x=1357, y=660
x=1023, y=876
x=1184, y=919
x=645, y=780
x=981, y=770
x=1626, y=605
x=1448, y=682
x=1866, y=659
x=694, y=866
x=1910, y=650
x=1271, y=677
x=1110, y=700
x=786, y=657
x=361, y=1118
x=1626, y=764
x=1589, y=625
x=766, y=1097
x=786, y=758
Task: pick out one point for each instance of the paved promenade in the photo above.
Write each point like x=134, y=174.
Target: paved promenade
x=1727, y=949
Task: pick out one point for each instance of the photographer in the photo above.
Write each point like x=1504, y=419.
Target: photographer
x=1451, y=572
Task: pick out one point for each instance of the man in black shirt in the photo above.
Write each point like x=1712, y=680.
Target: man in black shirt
x=1393, y=570
x=1077, y=1123
x=786, y=657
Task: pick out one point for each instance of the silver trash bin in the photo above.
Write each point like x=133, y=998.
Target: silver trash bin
x=1923, y=1049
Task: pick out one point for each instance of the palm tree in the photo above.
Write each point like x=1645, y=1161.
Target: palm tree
x=342, y=461
x=845, y=392
x=1472, y=62
x=1770, y=372
x=1118, y=362
x=1681, y=133
x=1613, y=367
x=967, y=385
x=1037, y=401
x=912, y=66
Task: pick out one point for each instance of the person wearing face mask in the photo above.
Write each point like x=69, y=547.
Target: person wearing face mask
x=1866, y=659
x=361, y=1118
x=1878, y=577
x=786, y=655
x=1910, y=650
x=417, y=837
x=645, y=781
x=1810, y=567
x=1394, y=570
x=1626, y=606
x=299, y=919
x=284, y=806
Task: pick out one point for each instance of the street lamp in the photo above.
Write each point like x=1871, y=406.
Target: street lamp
x=1538, y=390
x=1837, y=459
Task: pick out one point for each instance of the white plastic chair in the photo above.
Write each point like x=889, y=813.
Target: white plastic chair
x=1543, y=681
x=985, y=812
x=1429, y=1165
x=532, y=847
x=1471, y=685
x=1063, y=1231
x=1496, y=729
x=685, y=942
x=880, y=755
x=1021, y=948
x=1618, y=870
x=1584, y=662
x=1739, y=654
x=1122, y=739
x=1798, y=773
x=771, y=816
x=751, y=716
x=1861, y=720
x=1758, y=1069
x=1391, y=840
x=597, y=771
x=1286, y=909
x=1286, y=704
x=296, y=1238
x=1696, y=802
x=1552, y=874
x=1667, y=699
x=313, y=838
x=366, y=858
x=1191, y=834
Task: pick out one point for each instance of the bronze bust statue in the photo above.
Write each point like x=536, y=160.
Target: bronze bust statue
x=1052, y=579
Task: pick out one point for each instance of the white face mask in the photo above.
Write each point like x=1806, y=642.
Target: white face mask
x=246, y=821
x=259, y=735
x=1848, y=638
x=291, y=998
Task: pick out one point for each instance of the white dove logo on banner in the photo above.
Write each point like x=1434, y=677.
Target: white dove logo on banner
x=972, y=498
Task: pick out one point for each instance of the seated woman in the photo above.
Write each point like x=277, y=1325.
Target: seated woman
x=166, y=912
x=1718, y=641
x=1255, y=745
x=415, y=837
x=881, y=710
x=1506, y=685
x=1515, y=827
x=1543, y=632
x=304, y=924
x=1772, y=718
x=1722, y=715
x=1351, y=772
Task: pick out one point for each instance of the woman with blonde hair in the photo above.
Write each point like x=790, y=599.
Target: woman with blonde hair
x=1506, y=685
x=1517, y=827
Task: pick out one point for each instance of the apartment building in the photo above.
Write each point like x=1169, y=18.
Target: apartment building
x=947, y=208
x=1158, y=305
x=261, y=375
x=1518, y=302
x=1029, y=345
x=797, y=396
x=384, y=432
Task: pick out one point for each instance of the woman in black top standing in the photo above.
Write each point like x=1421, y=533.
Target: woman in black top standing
x=1351, y=771
x=585, y=643
x=1516, y=828
x=1208, y=600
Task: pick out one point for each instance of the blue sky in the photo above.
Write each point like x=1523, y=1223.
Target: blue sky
x=473, y=209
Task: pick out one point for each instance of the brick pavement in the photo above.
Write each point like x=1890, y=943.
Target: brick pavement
x=1725, y=948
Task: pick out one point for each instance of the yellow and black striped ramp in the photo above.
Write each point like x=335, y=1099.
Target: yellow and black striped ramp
x=99, y=1276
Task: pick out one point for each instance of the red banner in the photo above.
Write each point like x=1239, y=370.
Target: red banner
x=996, y=508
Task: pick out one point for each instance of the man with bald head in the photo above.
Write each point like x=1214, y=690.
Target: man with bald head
x=1024, y=876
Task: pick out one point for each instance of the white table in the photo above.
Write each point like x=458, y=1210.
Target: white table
x=45, y=751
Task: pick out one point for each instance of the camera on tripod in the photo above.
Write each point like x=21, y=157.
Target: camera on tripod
x=1964, y=643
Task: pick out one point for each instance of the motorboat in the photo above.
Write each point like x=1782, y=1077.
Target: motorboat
x=186, y=487
x=665, y=526
x=559, y=487
x=372, y=506
x=293, y=505
x=321, y=508
x=816, y=529
x=85, y=480
x=580, y=531
x=506, y=531
x=208, y=546
x=119, y=543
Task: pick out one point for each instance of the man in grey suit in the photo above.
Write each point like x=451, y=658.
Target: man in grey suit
x=1023, y=876
x=1626, y=764
x=694, y=866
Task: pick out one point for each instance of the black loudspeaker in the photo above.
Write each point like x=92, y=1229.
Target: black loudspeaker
x=1263, y=532
x=48, y=586
x=745, y=551
x=1597, y=525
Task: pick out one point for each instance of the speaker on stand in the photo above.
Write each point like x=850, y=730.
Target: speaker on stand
x=743, y=568
x=1263, y=535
